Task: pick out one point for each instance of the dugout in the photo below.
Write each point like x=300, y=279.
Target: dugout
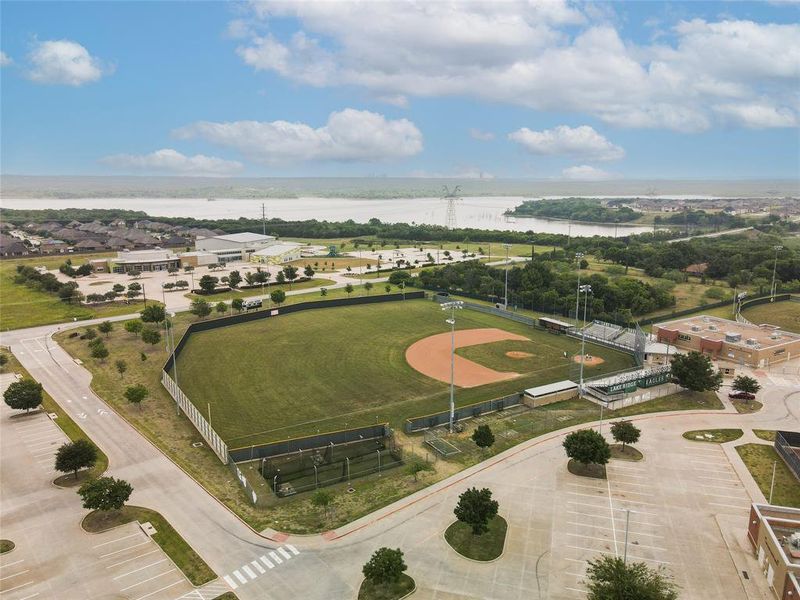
x=554, y=325
x=550, y=392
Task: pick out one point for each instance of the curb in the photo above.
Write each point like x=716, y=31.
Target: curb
x=475, y=560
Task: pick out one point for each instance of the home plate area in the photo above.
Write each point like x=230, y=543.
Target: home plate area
x=258, y=567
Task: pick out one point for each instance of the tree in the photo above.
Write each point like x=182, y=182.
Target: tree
x=105, y=327
x=584, y=264
x=308, y=271
x=80, y=454
x=368, y=286
x=475, y=507
x=385, y=566
x=200, y=308
x=398, y=277
x=745, y=383
x=134, y=289
x=237, y=304
x=135, y=394
x=118, y=288
x=121, y=366
x=483, y=436
x=587, y=446
x=280, y=278
x=153, y=313
x=3, y=359
x=105, y=493
x=609, y=578
x=24, y=394
x=181, y=284
x=349, y=288
x=151, y=336
x=234, y=279
x=695, y=372
x=89, y=334
x=625, y=432
x=134, y=326
x=388, y=288
x=322, y=499
x=323, y=291
x=99, y=350
x=221, y=308
x=208, y=283
x=278, y=297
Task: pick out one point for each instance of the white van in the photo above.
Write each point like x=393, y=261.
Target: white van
x=250, y=304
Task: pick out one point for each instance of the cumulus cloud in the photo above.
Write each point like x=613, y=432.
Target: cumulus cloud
x=544, y=55
x=483, y=136
x=171, y=161
x=5, y=59
x=348, y=135
x=758, y=115
x=563, y=140
x=63, y=62
x=585, y=173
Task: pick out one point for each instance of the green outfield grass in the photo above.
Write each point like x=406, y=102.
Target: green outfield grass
x=785, y=315
x=343, y=367
x=546, y=355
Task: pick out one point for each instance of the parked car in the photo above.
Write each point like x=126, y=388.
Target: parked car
x=741, y=396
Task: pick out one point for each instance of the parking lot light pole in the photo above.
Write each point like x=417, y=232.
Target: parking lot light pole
x=452, y=307
x=505, y=299
x=627, y=522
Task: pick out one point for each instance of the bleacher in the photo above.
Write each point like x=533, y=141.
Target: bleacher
x=627, y=338
x=602, y=331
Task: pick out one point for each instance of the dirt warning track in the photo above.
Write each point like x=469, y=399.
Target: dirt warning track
x=431, y=356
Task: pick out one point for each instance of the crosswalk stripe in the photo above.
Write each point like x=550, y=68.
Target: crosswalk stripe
x=240, y=577
x=230, y=582
x=258, y=567
x=266, y=561
x=284, y=553
x=250, y=573
x=275, y=557
x=294, y=550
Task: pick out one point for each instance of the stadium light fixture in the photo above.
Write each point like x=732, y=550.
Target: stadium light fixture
x=452, y=306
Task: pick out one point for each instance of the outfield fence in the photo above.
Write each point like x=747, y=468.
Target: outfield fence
x=469, y=411
x=190, y=410
x=787, y=445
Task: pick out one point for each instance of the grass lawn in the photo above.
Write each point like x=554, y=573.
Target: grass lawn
x=6, y=546
x=65, y=423
x=718, y=436
x=181, y=553
x=747, y=407
x=759, y=459
x=487, y=546
x=226, y=296
x=343, y=367
x=332, y=263
x=546, y=352
x=628, y=453
x=785, y=315
x=765, y=434
x=386, y=591
x=21, y=306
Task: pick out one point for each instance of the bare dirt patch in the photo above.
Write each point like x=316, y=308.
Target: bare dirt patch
x=431, y=356
x=518, y=354
x=589, y=361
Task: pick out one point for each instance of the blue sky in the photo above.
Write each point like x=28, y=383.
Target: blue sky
x=559, y=90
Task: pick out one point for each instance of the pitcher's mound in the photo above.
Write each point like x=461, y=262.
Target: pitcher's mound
x=518, y=354
x=589, y=361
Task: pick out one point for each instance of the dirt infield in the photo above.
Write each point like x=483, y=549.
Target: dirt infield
x=431, y=356
x=518, y=354
x=590, y=361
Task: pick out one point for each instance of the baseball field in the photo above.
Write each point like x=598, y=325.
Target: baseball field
x=785, y=315
x=335, y=368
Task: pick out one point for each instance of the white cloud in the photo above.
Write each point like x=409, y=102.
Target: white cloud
x=583, y=142
x=397, y=100
x=483, y=136
x=543, y=55
x=758, y=115
x=168, y=160
x=63, y=62
x=585, y=173
x=349, y=135
x=5, y=59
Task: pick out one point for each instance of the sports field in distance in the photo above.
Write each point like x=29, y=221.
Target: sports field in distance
x=334, y=368
x=785, y=315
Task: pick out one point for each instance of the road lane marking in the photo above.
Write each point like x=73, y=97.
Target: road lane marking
x=284, y=553
x=240, y=577
x=258, y=567
x=230, y=582
x=275, y=557
x=266, y=561
x=250, y=573
x=292, y=549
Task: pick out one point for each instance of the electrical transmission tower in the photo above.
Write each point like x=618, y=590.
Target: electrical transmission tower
x=452, y=198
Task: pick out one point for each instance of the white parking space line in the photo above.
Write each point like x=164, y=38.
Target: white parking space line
x=292, y=549
x=716, y=495
x=33, y=595
x=609, y=529
x=133, y=558
x=588, y=495
x=11, y=564
x=266, y=561
x=15, y=575
x=158, y=562
x=138, y=583
x=730, y=506
x=723, y=487
x=117, y=540
x=16, y=588
x=124, y=549
x=166, y=587
x=230, y=582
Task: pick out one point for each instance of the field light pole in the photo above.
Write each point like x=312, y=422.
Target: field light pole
x=578, y=257
x=772, y=485
x=452, y=307
x=774, y=268
x=505, y=299
x=171, y=335
x=586, y=289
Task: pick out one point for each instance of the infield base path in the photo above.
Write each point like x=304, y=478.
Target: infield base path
x=431, y=356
